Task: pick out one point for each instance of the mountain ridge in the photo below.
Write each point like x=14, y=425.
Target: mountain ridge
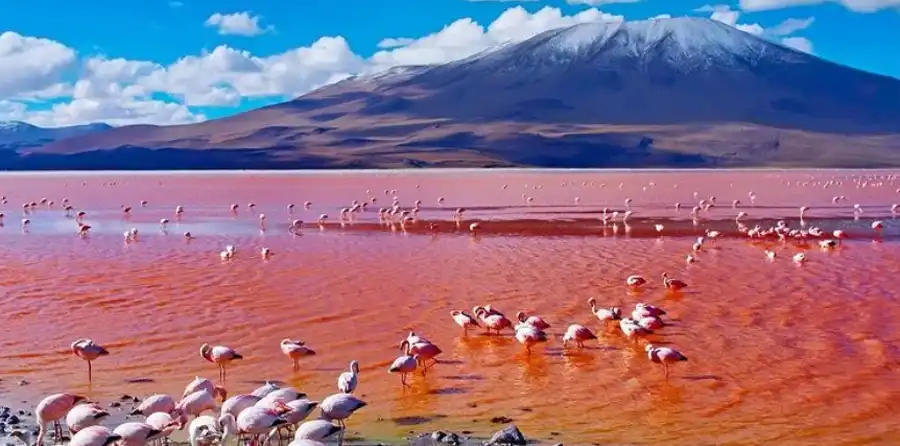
x=661, y=93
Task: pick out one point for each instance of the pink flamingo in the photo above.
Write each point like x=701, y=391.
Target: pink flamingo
x=94, y=436
x=404, y=365
x=166, y=423
x=196, y=384
x=220, y=355
x=347, y=381
x=136, y=433
x=664, y=356
x=492, y=321
x=255, y=421
x=534, y=321
x=635, y=281
x=604, y=314
x=529, y=335
x=295, y=350
x=199, y=402
x=88, y=350
x=236, y=404
x=315, y=430
x=673, y=285
x=578, y=334
x=153, y=404
x=339, y=407
x=52, y=409
x=422, y=351
x=632, y=330
x=646, y=310
x=84, y=415
x=464, y=320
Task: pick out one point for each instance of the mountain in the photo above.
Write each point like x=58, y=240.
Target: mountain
x=681, y=92
x=15, y=135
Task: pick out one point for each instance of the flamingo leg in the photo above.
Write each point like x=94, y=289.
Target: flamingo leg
x=666, y=368
x=89, y=371
x=341, y=435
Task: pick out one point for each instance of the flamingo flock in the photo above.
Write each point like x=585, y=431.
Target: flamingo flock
x=270, y=413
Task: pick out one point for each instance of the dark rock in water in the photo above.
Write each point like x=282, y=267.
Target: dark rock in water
x=115, y=404
x=126, y=397
x=501, y=420
x=438, y=435
x=451, y=438
x=13, y=420
x=511, y=435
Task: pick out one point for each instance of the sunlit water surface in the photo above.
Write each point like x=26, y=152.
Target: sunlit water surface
x=779, y=354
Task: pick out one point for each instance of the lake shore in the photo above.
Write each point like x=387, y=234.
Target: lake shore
x=18, y=424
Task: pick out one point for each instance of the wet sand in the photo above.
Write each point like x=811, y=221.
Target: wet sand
x=778, y=353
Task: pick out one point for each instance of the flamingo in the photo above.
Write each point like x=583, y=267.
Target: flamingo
x=206, y=430
x=464, y=320
x=278, y=397
x=535, y=321
x=673, y=285
x=800, y=258
x=154, y=403
x=635, y=281
x=604, y=314
x=878, y=225
x=295, y=350
x=404, y=365
x=642, y=310
x=136, y=433
x=84, y=415
x=165, y=423
x=265, y=389
x=578, y=334
x=631, y=329
x=664, y=356
x=347, y=381
x=492, y=320
x=529, y=335
x=88, y=350
x=51, y=409
x=339, y=407
x=94, y=436
x=196, y=384
x=316, y=430
x=236, y=404
x=198, y=402
x=220, y=355
x=422, y=351
x=254, y=421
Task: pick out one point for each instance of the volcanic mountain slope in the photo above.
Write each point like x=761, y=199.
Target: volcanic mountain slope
x=15, y=135
x=666, y=92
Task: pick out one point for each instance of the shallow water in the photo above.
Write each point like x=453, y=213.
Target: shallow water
x=779, y=353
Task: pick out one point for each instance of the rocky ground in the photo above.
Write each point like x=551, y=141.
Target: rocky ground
x=18, y=426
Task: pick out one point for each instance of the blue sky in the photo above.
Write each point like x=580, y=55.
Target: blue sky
x=151, y=35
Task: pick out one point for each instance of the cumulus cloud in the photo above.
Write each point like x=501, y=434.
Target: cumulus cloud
x=121, y=91
x=30, y=66
x=238, y=24
x=853, y=5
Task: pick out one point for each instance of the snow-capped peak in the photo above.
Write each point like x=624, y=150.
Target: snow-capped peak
x=686, y=42
x=15, y=126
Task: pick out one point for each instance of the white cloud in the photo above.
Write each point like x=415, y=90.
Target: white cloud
x=31, y=65
x=120, y=91
x=395, y=42
x=853, y=5
x=238, y=24
x=781, y=32
x=466, y=37
x=798, y=43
